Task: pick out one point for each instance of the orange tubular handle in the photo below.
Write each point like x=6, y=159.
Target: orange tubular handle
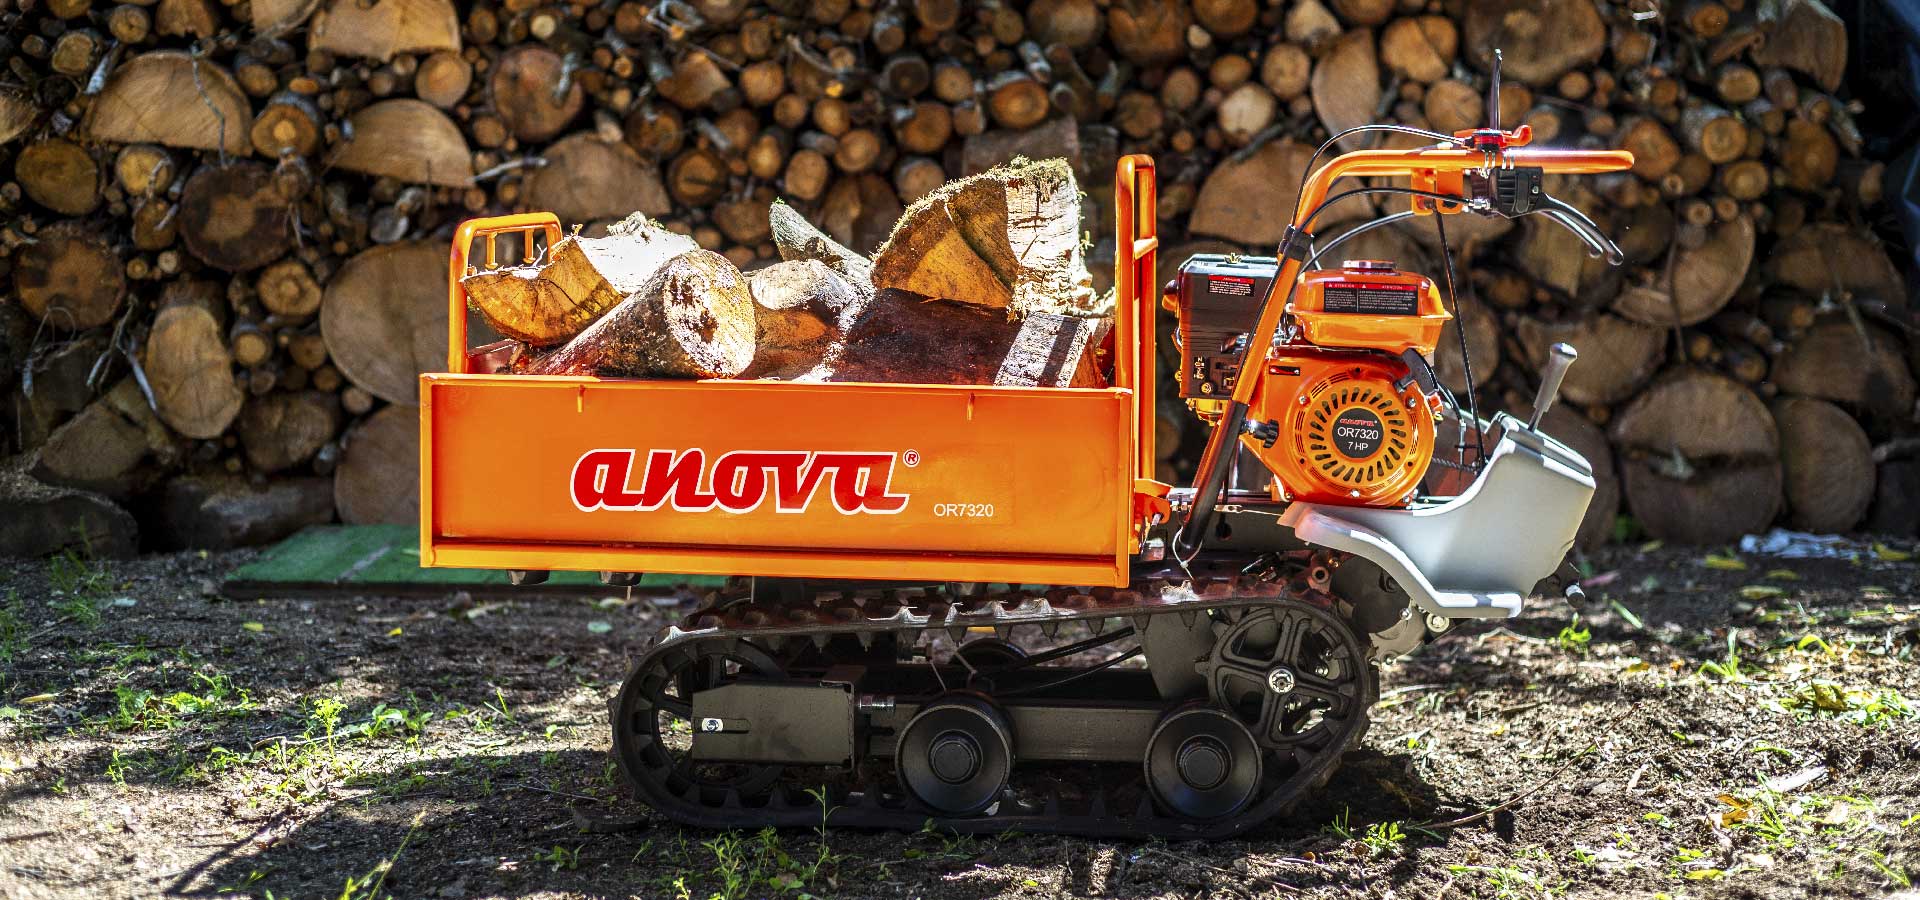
x=1136, y=225
x=1419, y=164
x=463, y=238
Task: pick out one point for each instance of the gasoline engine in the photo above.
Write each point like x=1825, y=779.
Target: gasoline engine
x=1345, y=410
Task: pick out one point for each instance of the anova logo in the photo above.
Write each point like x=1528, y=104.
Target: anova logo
x=739, y=481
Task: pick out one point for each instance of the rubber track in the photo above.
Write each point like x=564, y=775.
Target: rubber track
x=881, y=806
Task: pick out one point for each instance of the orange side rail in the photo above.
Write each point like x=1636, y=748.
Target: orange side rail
x=1419, y=164
x=490, y=228
x=1136, y=296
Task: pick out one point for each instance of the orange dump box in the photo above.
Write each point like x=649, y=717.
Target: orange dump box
x=776, y=479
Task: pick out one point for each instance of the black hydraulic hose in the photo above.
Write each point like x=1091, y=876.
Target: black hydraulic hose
x=1356, y=232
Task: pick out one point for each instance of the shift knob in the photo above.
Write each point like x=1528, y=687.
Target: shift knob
x=1559, y=357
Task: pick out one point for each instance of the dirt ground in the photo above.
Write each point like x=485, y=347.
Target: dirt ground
x=1711, y=726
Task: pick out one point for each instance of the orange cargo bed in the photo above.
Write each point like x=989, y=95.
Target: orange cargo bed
x=779, y=479
x=776, y=479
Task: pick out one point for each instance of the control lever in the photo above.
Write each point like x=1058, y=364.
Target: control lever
x=1559, y=357
x=1577, y=222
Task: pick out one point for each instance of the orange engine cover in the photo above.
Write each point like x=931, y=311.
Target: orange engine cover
x=1347, y=434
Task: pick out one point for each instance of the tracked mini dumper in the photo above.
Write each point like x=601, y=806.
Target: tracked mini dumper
x=942, y=590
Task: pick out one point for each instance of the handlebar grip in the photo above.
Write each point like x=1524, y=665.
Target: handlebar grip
x=1559, y=358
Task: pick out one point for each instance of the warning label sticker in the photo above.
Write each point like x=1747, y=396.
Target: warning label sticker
x=1229, y=284
x=1372, y=299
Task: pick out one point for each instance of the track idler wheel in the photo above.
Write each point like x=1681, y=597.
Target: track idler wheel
x=955, y=755
x=1202, y=763
x=1294, y=674
x=653, y=723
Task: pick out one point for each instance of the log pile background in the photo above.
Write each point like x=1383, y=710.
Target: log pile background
x=223, y=247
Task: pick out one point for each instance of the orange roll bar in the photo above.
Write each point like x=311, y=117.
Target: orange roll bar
x=1135, y=297
x=490, y=228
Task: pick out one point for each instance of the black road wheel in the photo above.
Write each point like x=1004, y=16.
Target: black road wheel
x=1202, y=763
x=653, y=723
x=955, y=755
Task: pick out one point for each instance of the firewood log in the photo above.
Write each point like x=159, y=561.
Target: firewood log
x=799, y=307
x=1806, y=36
x=1057, y=137
x=378, y=479
x=1831, y=257
x=797, y=240
x=281, y=431
x=859, y=211
x=1540, y=39
x=1149, y=32
x=384, y=318
x=381, y=30
x=288, y=123
x=691, y=318
x=1452, y=106
x=288, y=290
x=903, y=337
x=407, y=139
x=1617, y=356
x=234, y=217
x=69, y=278
x=18, y=113
x=1055, y=351
x=100, y=449
x=1229, y=19
x=1828, y=463
x=1861, y=366
x=582, y=278
x=1286, y=70
x=1704, y=279
x=1346, y=86
x=1310, y=24
x=1007, y=238
x=1422, y=48
x=587, y=179
x=1700, y=459
x=59, y=175
x=141, y=102
x=533, y=92
x=191, y=372
x=38, y=519
x=1246, y=111
x=1076, y=24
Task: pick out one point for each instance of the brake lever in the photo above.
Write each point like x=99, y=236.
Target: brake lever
x=1521, y=191
x=1588, y=232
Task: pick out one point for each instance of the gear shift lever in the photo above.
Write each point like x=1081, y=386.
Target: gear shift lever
x=1559, y=357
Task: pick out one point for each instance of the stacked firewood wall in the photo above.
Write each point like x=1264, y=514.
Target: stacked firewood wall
x=224, y=246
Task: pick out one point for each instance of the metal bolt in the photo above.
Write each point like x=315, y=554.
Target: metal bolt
x=1437, y=623
x=1280, y=680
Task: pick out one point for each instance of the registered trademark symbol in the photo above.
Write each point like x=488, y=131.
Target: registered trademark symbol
x=911, y=458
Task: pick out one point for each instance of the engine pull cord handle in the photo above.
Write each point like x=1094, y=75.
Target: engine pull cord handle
x=1559, y=357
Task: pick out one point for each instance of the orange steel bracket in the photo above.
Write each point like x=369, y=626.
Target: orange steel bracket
x=490, y=228
x=1135, y=296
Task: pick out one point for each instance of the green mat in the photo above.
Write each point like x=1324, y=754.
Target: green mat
x=385, y=559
